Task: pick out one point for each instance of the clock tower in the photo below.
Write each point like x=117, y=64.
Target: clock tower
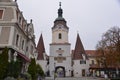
x=60, y=57
x=60, y=29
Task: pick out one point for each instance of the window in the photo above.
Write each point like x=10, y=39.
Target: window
x=22, y=44
x=20, y=20
x=92, y=61
x=27, y=49
x=60, y=54
x=17, y=14
x=82, y=62
x=59, y=48
x=59, y=36
x=17, y=39
x=1, y=14
x=31, y=49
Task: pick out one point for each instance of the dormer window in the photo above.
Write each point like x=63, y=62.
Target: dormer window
x=1, y=14
x=83, y=55
x=59, y=36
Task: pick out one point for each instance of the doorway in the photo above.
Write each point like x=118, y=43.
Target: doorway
x=60, y=71
x=83, y=72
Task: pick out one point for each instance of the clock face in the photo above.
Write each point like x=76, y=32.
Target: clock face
x=59, y=26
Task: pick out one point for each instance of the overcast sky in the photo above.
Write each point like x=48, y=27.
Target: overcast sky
x=90, y=18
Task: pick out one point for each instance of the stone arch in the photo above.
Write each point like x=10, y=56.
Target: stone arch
x=60, y=71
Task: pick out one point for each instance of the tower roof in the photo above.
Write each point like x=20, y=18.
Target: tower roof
x=40, y=48
x=79, y=50
x=60, y=14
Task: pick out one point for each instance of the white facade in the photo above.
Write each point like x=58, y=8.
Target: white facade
x=61, y=63
x=60, y=30
x=60, y=58
x=43, y=64
x=79, y=69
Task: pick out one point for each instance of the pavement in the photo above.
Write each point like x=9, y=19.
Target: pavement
x=74, y=78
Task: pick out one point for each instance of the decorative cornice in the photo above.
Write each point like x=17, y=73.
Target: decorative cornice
x=60, y=44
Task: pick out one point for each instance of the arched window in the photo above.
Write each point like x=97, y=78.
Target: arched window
x=59, y=36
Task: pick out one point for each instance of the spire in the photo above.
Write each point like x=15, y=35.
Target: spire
x=60, y=14
x=40, y=48
x=79, y=49
x=60, y=11
x=60, y=4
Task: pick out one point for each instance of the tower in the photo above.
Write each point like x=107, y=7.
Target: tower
x=60, y=57
x=80, y=59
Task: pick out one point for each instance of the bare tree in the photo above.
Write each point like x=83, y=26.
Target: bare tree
x=109, y=47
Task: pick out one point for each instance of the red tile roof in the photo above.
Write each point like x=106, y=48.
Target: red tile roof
x=79, y=49
x=92, y=53
x=40, y=48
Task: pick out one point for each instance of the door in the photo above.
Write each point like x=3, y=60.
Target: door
x=83, y=72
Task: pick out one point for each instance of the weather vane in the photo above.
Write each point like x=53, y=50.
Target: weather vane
x=60, y=4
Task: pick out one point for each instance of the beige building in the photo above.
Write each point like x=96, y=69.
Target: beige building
x=93, y=56
x=16, y=33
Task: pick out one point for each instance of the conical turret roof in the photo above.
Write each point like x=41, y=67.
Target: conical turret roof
x=40, y=48
x=79, y=51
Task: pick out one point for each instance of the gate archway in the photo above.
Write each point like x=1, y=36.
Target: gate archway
x=60, y=71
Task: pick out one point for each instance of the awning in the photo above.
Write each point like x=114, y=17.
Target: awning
x=24, y=57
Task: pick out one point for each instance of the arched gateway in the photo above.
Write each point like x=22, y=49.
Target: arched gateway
x=60, y=71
